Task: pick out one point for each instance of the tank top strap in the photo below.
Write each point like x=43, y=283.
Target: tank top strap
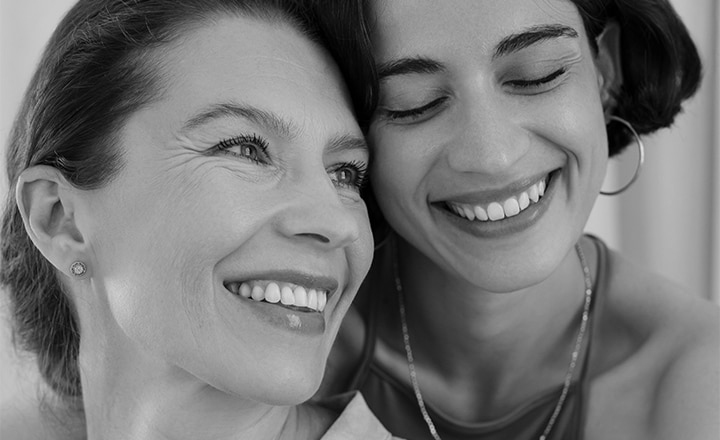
x=395, y=404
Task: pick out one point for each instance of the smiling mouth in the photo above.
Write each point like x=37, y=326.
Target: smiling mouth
x=501, y=209
x=284, y=294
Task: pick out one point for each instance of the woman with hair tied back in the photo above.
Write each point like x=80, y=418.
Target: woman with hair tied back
x=186, y=230
x=487, y=313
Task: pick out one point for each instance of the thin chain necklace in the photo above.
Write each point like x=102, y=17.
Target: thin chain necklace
x=568, y=375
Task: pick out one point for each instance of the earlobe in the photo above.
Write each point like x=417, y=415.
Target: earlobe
x=46, y=203
x=609, y=66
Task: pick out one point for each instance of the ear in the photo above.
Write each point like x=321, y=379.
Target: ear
x=46, y=203
x=609, y=66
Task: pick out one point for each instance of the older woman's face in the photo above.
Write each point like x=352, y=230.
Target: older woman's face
x=489, y=141
x=233, y=241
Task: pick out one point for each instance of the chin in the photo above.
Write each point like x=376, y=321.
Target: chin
x=506, y=275
x=292, y=390
x=295, y=380
x=278, y=381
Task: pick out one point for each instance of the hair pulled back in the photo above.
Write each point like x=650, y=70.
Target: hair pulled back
x=97, y=69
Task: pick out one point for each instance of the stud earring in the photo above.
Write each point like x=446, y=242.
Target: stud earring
x=78, y=269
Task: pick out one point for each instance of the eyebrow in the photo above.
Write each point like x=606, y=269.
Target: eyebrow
x=530, y=36
x=404, y=66
x=269, y=121
x=272, y=122
x=509, y=44
x=347, y=142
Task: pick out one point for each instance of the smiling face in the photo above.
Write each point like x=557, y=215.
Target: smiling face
x=489, y=140
x=233, y=240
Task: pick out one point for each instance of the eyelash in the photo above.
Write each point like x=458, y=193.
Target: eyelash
x=258, y=142
x=417, y=112
x=414, y=113
x=361, y=174
x=358, y=168
x=527, y=84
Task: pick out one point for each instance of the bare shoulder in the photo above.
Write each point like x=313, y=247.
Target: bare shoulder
x=687, y=403
x=688, y=390
x=672, y=359
x=663, y=312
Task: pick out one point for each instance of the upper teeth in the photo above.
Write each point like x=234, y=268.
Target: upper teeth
x=501, y=209
x=284, y=293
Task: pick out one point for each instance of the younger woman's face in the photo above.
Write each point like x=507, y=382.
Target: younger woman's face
x=489, y=141
x=232, y=242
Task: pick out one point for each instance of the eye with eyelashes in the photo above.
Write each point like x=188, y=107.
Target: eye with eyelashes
x=538, y=83
x=350, y=175
x=251, y=147
x=414, y=113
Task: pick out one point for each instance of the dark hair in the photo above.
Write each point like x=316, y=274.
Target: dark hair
x=95, y=72
x=347, y=37
x=660, y=64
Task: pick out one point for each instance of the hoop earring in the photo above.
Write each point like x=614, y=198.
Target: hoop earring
x=78, y=269
x=641, y=160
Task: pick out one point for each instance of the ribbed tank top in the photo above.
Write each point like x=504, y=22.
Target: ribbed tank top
x=396, y=407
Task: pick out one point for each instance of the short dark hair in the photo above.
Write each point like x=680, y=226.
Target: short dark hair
x=95, y=72
x=660, y=63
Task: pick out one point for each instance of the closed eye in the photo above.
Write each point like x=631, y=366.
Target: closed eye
x=539, y=82
x=413, y=114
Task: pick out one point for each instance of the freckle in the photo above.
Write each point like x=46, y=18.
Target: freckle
x=294, y=321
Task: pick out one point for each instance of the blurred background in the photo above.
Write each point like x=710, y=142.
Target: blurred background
x=669, y=220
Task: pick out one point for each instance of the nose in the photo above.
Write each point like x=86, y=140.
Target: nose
x=315, y=213
x=489, y=137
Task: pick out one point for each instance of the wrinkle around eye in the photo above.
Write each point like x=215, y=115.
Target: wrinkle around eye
x=192, y=159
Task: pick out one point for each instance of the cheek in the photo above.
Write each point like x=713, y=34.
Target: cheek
x=396, y=170
x=160, y=289
x=155, y=259
x=362, y=250
x=589, y=138
x=574, y=120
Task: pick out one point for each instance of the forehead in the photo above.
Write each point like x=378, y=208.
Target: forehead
x=420, y=27
x=241, y=59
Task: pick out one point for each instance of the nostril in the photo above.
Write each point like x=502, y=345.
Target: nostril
x=319, y=237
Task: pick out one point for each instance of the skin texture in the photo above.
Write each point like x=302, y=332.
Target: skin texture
x=488, y=135
x=479, y=121
x=181, y=356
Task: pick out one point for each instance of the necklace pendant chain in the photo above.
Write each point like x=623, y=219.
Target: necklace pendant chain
x=568, y=375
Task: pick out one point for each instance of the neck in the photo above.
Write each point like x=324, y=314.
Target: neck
x=484, y=341
x=123, y=401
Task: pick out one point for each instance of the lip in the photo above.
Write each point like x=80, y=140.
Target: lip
x=508, y=225
x=493, y=195
x=296, y=320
